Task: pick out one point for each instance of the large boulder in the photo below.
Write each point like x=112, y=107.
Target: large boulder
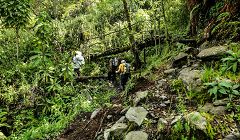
x=170, y=71
x=206, y=108
x=213, y=52
x=136, y=135
x=191, y=78
x=140, y=96
x=180, y=56
x=205, y=45
x=180, y=60
x=116, y=130
x=221, y=102
x=219, y=110
x=136, y=114
x=197, y=120
x=190, y=50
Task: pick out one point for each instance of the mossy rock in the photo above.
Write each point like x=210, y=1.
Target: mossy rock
x=213, y=52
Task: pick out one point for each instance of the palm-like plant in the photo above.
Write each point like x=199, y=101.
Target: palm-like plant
x=232, y=61
x=219, y=88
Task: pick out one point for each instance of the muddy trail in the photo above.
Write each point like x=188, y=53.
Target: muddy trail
x=84, y=128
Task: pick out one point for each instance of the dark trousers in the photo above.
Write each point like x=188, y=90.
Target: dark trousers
x=112, y=74
x=112, y=77
x=124, y=79
x=76, y=70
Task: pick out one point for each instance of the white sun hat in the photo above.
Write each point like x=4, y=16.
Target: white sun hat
x=78, y=52
x=123, y=61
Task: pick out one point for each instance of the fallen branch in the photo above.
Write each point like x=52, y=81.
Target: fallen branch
x=139, y=45
x=148, y=42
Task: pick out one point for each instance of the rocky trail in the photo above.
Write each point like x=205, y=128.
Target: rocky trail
x=155, y=110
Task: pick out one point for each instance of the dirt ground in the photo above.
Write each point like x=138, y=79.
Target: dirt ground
x=83, y=128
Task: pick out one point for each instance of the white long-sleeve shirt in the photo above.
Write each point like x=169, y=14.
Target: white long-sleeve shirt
x=78, y=60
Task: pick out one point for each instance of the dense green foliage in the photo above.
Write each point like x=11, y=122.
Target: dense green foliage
x=14, y=13
x=223, y=88
x=38, y=92
x=232, y=62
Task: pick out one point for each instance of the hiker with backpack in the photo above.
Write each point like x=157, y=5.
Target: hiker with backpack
x=113, y=65
x=78, y=61
x=124, y=70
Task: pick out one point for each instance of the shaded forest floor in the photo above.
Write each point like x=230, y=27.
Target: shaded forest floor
x=84, y=128
x=162, y=103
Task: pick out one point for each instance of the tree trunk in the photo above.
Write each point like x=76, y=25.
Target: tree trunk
x=193, y=7
x=193, y=25
x=18, y=37
x=137, y=62
x=165, y=21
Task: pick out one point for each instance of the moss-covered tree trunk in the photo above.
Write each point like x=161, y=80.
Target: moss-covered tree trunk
x=199, y=11
x=193, y=7
x=165, y=20
x=18, y=42
x=135, y=51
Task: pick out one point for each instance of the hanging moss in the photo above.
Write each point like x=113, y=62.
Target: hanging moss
x=227, y=30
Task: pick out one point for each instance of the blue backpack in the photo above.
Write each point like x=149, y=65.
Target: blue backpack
x=126, y=68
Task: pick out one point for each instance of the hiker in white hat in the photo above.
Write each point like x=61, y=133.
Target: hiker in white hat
x=78, y=61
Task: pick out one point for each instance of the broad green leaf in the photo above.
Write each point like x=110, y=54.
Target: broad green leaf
x=3, y=120
x=229, y=59
x=236, y=92
x=215, y=89
x=230, y=97
x=236, y=86
x=235, y=67
x=212, y=91
x=223, y=91
x=2, y=114
x=4, y=124
x=211, y=84
x=230, y=52
x=225, y=84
